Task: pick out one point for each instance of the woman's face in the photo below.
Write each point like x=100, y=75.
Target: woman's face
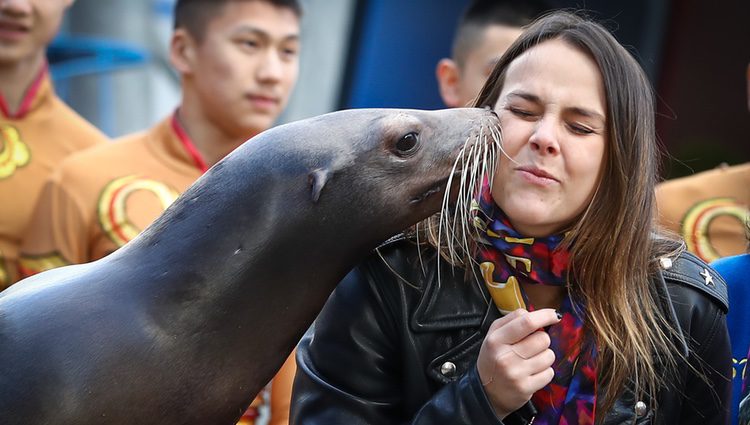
x=552, y=112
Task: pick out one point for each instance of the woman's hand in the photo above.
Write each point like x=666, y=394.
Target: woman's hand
x=515, y=359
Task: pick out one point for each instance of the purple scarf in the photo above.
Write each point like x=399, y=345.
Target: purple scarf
x=507, y=258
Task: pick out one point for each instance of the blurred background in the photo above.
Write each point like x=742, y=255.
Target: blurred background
x=110, y=63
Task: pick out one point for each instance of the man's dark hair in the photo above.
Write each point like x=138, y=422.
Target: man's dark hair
x=481, y=14
x=194, y=15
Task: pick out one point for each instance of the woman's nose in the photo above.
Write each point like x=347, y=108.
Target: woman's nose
x=544, y=139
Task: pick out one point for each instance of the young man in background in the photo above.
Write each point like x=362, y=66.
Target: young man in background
x=485, y=31
x=37, y=130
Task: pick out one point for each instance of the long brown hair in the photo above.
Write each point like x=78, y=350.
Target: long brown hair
x=614, y=251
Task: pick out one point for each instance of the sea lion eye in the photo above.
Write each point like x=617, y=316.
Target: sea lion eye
x=407, y=142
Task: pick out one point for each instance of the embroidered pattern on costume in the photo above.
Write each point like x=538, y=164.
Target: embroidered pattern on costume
x=112, y=211
x=14, y=153
x=698, y=218
x=32, y=264
x=4, y=277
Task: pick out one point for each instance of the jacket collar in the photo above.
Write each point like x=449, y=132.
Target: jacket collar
x=454, y=303
x=692, y=272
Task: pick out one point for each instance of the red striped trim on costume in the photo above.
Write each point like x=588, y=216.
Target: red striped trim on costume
x=28, y=97
x=188, y=144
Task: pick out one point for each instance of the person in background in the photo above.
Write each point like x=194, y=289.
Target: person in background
x=37, y=130
x=710, y=211
x=736, y=272
x=485, y=31
x=238, y=61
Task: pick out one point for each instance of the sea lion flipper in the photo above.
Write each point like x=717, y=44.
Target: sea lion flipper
x=317, y=179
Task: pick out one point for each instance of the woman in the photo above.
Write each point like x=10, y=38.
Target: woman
x=615, y=325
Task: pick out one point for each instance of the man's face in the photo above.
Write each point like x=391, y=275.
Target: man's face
x=482, y=59
x=27, y=27
x=246, y=66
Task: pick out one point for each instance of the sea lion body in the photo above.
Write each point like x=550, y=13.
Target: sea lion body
x=186, y=323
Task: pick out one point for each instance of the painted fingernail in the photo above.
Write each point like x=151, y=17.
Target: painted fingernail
x=559, y=315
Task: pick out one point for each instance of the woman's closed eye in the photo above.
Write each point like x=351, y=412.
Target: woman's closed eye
x=580, y=129
x=521, y=112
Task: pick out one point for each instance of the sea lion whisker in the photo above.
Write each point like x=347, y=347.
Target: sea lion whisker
x=498, y=139
x=467, y=193
x=468, y=188
x=478, y=165
x=445, y=209
x=401, y=278
x=478, y=170
x=419, y=248
x=477, y=160
x=450, y=220
x=445, y=223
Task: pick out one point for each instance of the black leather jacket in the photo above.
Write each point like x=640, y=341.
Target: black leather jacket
x=393, y=347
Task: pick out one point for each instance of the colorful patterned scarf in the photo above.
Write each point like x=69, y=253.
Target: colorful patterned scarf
x=505, y=258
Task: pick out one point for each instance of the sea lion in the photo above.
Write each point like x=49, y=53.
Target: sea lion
x=186, y=323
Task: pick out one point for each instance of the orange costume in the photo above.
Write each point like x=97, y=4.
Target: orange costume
x=709, y=210
x=33, y=141
x=98, y=200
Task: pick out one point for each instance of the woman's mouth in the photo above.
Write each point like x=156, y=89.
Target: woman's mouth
x=537, y=176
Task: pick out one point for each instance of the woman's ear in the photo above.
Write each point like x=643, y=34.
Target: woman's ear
x=449, y=77
x=182, y=51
